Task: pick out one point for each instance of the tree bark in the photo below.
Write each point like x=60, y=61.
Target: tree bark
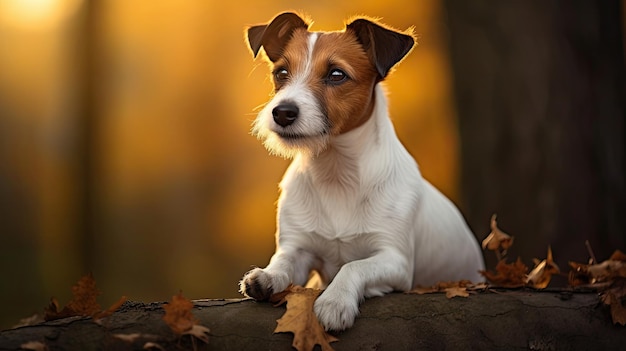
x=511, y=319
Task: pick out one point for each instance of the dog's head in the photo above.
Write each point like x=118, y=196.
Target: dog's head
x=323, y=81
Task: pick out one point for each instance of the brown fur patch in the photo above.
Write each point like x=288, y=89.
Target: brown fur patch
x=347, y=104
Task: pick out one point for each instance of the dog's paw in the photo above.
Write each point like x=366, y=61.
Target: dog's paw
x=336, y=311
x=260, y=285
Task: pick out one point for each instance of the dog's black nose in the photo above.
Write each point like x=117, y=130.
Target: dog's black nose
x=285, y=114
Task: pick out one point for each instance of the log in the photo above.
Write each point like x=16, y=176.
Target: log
x=504, y=319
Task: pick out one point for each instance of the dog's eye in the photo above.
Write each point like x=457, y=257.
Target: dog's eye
x=281, y=74
x=336, y=76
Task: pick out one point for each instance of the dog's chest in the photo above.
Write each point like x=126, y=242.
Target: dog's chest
x=342, y=214
x=332, y=210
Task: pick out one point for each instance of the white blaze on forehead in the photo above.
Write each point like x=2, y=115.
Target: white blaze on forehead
x=306, y=66
x=310, y=46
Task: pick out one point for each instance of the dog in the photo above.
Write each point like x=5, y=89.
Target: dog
x=353, y=206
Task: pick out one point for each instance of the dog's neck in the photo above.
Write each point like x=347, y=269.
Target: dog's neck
x=341, y=163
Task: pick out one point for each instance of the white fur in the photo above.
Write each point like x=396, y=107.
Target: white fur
x=359, y=213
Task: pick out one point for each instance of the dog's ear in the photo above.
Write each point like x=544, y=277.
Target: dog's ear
x=385, y=47
x=274, y=36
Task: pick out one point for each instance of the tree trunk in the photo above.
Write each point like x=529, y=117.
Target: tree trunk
x=540, y=98
x=511, y=319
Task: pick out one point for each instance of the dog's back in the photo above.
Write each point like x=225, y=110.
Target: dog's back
x=445, y=247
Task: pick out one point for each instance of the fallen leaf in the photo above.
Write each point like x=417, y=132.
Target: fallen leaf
x=478, y=287
x=178, y=315
x=497, y=239
x=460, y=288
x=300, y=319
x=452, y=289
x=590, y=274
x=618, y=256
x=85, y=296
x=511, y=275
x=609, y=278
x=607, y=270
x=83, y=303
x=132, y=337
x=129, y=338
x=32, y=320
x=153, y=345
x=199, y=331
x=34, y=346
x=456, y=291
x=578, y=275
x=618, y=311
x=420, y=290
x=614, y=295
x=541, y=275
x=109, y=311
x=278, y=299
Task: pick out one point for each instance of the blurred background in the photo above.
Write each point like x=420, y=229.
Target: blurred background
x=125, y=147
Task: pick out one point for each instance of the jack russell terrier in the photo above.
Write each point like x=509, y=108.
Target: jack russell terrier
x=353, y=205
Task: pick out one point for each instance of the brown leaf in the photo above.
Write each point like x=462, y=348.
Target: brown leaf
x=421, y=290
x=32, y=320
x=511, y=275
x=153, y=345
x=452, y=289
x=618, y=311
x=51, y=312
x=200, y=332
x=278, y=299
x=300, y=319
x=85, y=296
x=541, y=275
x=134, y=337
x=614, y=295
x=109, y=311
x=607, y=270
x=34, y=346
x=178, y=315
x=497, y=239
x=456, y=291
x=83, y=302
x=129, y=338
x=618, y=256
x=592, y=274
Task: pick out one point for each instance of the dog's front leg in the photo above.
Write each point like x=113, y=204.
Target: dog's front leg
x=338, y=306
x=287, y=266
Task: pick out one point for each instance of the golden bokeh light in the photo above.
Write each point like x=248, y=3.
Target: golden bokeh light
x=38, y=15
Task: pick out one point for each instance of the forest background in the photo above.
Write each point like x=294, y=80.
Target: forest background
x=125, y=148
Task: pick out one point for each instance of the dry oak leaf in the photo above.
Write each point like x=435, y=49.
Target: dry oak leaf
x=179, y=317
x=83, y=303
x=300, y=319
x=618, y=310
x=497, y=238
x=456, y=291
x=34, y=346
x=608, y=277
x=452, y=289
x=590, y=274
x=508, y=275
x=614, y=296
x=541, y=275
